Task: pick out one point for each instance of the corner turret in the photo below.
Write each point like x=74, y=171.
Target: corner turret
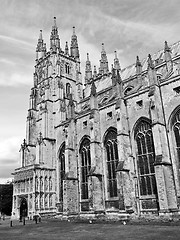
x=41, y=47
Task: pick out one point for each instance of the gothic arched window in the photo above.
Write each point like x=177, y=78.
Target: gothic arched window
x=67, y=68
x=61, y=170
x=68, y=90
x=85, y=166
x=46, y=183
x=50, y=184
x=176, y=130
x=145, y=158
x=112, y=159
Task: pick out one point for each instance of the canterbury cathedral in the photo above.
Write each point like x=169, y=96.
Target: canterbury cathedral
x=106, y=144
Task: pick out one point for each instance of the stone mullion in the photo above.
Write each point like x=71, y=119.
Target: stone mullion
x=125, y=158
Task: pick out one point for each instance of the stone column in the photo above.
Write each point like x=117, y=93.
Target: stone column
x=124, y=182
x=70, y=183
x=163, y=167
x=95, y=173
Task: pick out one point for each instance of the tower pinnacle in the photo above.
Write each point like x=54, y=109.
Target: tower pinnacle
x=66, y=49
x=116, y=62
x=138, y=66
x=74, y=45
x=41, y=47
x=103, y=61
x=88, y=70
x=54, y=38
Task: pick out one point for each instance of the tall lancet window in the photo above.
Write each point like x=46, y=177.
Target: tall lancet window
x=85, y=166
x=176, y=130
x=145, y=158
x=68, y=90
x=61, y=170
x=112, y=159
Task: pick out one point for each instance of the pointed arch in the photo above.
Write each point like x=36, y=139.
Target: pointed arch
x=111, y=150
x=174, y=123
x=145, y=156
x=85, y=165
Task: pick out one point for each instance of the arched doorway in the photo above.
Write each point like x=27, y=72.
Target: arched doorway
x=23, y=208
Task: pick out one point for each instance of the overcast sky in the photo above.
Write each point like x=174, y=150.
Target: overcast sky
x=131, y=27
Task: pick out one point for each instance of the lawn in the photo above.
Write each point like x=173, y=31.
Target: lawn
x=50, y=229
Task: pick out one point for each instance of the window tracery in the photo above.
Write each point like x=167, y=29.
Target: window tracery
x=111, y=161
x=85, y=166
x=145, y=158
x=62, y=169
x=176, y=130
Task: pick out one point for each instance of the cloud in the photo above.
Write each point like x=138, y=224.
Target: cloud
x=9, y=155
x=10, y=148
x=17, y=41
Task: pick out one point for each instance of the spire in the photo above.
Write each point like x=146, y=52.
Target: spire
x=41, y=47
x=88, y=70
x=95, y=72
x=138, y=66
x=66, y=49
x=116, y=62
x=103, y=61
x=54, y=38
x=74, y=45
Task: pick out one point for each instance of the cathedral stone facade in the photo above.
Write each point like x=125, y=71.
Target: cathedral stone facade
x=109, y=147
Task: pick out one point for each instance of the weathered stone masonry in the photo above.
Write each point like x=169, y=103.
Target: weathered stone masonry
x=109, y=148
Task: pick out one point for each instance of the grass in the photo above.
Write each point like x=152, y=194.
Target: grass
x=50, y=229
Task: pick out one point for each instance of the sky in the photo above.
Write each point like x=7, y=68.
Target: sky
x=131, y=27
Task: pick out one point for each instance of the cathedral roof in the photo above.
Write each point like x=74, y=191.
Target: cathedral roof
x=158, y=57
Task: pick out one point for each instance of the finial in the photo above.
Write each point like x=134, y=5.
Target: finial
x=55, y=21
x=166, y=47
x=40, y=35
x=103, y=47
x=74, y=33
x=115, y=53
x=66, y=48
x=87, y=56
x=138, y=63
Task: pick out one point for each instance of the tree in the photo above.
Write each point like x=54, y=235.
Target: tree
x=6, y=194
